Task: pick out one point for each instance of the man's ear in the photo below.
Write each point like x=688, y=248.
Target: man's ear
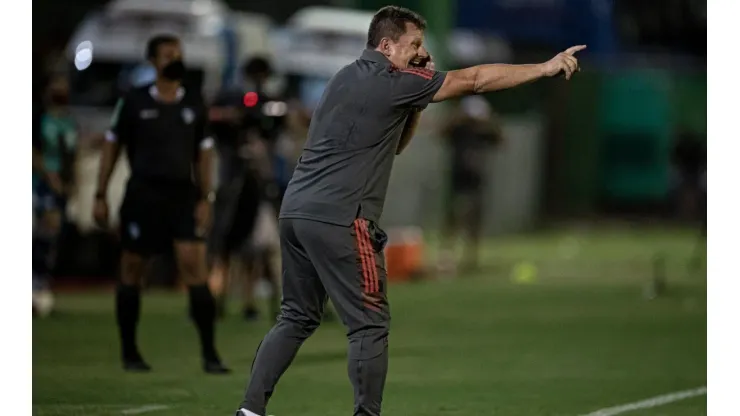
x=385, y=47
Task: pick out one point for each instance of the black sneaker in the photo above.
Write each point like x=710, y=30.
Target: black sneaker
x=136, y=364
x=215, y=366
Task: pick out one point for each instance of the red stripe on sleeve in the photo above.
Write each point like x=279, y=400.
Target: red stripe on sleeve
x=422, y=72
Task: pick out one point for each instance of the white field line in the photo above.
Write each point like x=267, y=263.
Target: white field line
x=651, y=402
x=145, y=409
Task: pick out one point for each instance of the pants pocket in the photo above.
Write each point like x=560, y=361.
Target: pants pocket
x=378, y=237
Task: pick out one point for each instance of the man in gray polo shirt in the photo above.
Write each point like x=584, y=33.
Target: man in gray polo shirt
x=330, y=241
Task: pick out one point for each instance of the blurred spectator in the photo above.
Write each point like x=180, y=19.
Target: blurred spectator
x=55, y=138
x=690, y=188
x=471, y=132
x=244, y=223
x=56, y=143
x=689, y=166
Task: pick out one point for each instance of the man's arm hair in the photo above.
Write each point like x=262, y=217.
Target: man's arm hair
x=108, y=160
x=409, y=129
x=486, y=78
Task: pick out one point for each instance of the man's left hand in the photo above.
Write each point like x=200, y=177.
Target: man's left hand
x=202, y=217
x=430, y=63
x=425, y=62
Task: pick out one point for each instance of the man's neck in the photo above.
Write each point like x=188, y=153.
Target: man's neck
x=167, y=90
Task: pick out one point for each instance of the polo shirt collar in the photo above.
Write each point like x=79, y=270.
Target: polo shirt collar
x=154, y=92
x=374, y=56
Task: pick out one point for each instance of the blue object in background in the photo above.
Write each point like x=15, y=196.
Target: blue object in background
x=554, y=23
x=229, y=74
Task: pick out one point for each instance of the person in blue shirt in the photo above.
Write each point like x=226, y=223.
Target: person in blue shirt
x=55, y=144
x=55, y=136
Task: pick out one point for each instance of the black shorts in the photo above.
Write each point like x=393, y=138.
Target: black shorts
x=235, y=215
x=154, y=215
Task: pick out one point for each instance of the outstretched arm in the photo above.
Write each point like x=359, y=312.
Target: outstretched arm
x=487, y=78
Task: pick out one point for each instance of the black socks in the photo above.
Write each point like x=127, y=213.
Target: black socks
x=128, y=306
x=203, y=313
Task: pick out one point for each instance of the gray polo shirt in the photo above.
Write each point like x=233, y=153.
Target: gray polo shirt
x=345, y=166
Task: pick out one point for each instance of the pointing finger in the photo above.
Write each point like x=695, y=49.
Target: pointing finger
x=574, y=49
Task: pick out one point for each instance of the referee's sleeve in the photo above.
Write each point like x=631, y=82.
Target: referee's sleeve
x=415, y=87
x=121, y=123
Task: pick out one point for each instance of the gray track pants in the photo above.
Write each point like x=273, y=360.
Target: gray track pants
x=347, y=264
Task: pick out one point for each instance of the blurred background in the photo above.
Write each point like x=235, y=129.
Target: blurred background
x=593, y=188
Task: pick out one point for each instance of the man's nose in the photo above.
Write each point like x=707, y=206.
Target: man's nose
x=423, y=52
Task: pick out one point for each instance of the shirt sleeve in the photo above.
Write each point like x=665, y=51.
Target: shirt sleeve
x=122, y=122
x=415, y=87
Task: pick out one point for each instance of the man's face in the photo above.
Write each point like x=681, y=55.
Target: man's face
x=407, y=49
x=166, y=53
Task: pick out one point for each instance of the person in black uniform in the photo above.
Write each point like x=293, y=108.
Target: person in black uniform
x=168, y=196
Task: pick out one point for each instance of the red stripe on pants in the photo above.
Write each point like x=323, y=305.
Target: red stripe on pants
x=373, y=275
x=363, y=256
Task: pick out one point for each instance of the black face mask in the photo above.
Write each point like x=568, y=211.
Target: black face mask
x=174, y=71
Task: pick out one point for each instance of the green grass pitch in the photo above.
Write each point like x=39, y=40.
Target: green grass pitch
x=579, y=339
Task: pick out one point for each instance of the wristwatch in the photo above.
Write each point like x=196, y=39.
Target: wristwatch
x=210, y=197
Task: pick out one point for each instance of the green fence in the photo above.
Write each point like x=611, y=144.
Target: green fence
x=616, y=143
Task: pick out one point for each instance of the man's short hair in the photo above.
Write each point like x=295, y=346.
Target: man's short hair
x=390, y=22
x=152, y=47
